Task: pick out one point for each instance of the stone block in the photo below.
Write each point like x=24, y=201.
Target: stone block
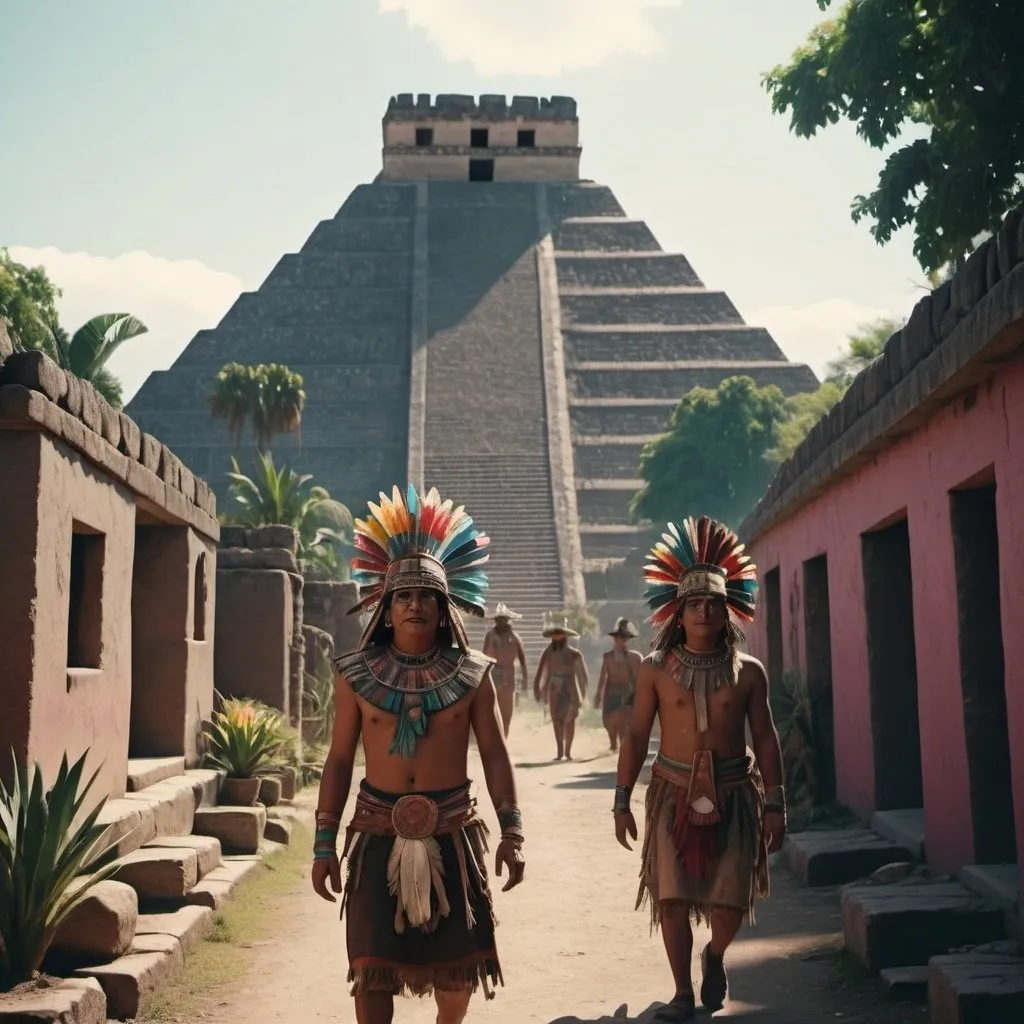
x=220, y=884
x=147, y=771
x=173, y=802
x=101, y=927
x=206, y=848
x=905, y=984
x=151, y=453
x=188, y=925
x=270, y=791
x=158, y=874
x=73, y=1001
x=111, y=424
x=205, y=785
x=131, y=979
x=239, y=829
x=976, y=988
x=91, y=401
x=262, y=558
x=274, y=536
x=204, y=497
x=288, y=777
x=835, y=857
x=129, y=823
x=71, y=399
x=278, y=831
x=233, y=537
x=168, y=469
x=186, y=482
x=131, y=437
x=37, y=372
x=905, y=924
x=904, y=827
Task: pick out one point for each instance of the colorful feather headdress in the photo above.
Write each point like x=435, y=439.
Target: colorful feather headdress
x=420, y=541
x=698, y=557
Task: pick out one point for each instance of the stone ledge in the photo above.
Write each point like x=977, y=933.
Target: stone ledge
x=954, y=338
x=407, y=106
x=147, y=771
x=73, y=1001
x=220, y=884
x=976, y=988
x=837, y=856
x=31, y=394
x=131, y=979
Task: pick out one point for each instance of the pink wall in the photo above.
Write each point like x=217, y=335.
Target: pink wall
x=916, y=474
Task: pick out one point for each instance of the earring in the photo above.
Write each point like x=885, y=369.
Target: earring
x=387, y=621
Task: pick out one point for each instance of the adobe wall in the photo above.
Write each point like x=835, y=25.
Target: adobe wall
x=326, y=605
x=943, y=407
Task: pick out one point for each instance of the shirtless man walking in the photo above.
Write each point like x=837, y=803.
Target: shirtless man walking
x=416, y=898
x=615, y=685
x=565, y=681
x=504, y=645
x=713, y=811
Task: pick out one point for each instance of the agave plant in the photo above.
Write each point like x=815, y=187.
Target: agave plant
x=42, y=850
x=803, y=719
x=318, y=697
x=244, y=739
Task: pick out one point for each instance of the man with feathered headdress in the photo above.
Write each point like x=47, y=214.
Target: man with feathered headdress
x=710, y=821
x=418, y=905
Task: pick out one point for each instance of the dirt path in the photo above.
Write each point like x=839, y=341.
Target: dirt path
x=571, y=945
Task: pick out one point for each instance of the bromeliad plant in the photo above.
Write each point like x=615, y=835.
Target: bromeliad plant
x=245, y=739
x=43, y=849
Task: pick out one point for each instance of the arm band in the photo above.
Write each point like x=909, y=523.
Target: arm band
x=510, y=821
x=622, y=795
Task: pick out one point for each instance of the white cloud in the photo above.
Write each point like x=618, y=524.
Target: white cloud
x=535, y=37
x=815, y=334
x=174, y=298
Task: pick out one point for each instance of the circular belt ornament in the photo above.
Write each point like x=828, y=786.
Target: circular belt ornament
x=414, y=817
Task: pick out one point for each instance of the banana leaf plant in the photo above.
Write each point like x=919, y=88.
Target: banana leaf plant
x=44, y=847
x=244, y=739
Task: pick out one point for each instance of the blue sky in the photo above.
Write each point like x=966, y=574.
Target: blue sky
x=160, y=157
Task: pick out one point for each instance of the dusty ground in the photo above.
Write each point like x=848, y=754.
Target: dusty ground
x=572, y=947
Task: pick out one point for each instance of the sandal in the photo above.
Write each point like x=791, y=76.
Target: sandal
x=715, y=985
x=679, y=1009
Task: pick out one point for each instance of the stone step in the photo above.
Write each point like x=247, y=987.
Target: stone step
x=608, y=234
x=206, y=848
x=70, y=1001
x=837, y=856
x=976, y=987
x=220, y=884
x=904, y=827
x=147, y=771
x=188, y=925
x=644, y=342
x=905, y=984
x=239, y=829
x=906, y=923
x=278, y=830
x=159, y=874
x=131, y=979
x=671, y=385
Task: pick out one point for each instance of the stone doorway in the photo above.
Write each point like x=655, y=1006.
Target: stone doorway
x=982, y=672
x=773, y=625
x=892, y=666
x=818, y=659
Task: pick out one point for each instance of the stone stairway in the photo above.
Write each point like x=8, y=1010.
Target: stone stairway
x=640, y=329
x=485, y=422
x=178, y=858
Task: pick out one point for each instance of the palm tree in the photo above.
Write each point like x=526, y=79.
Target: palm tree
x=273, y=495
x=86, y=352
x=267, y=398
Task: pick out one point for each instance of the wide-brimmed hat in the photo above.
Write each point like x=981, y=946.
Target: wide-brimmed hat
x=504, y=612
x=623, y=627
x=559, y=627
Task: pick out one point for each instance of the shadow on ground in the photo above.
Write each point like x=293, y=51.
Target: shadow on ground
x=552, y=761
x=592, y=780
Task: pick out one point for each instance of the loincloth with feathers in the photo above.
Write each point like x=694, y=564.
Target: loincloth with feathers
x=417, y=902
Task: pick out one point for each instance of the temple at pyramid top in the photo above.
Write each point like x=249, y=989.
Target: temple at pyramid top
x=459, y=138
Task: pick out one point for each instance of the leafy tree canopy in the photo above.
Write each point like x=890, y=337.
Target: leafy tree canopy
x=715, y=458
x=268, y=398
x=948, y=69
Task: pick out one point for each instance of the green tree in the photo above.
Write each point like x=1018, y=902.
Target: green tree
x=282, y=496
x=802, y=411
x=28, y=303
x=715, y=459
x=268, y=398
x=947, y=69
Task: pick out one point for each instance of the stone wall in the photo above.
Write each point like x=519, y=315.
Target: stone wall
x=951, y=341
x=261, y=649
x=326, y=605
x=448, y=106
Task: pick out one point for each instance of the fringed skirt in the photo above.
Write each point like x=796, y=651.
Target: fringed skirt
x=724, y=864
x=452, y=950
x=563, y=697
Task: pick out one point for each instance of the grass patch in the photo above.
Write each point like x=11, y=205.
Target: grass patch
x=221, y=958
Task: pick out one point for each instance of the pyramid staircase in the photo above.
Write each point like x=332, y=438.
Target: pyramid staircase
x=179, y=858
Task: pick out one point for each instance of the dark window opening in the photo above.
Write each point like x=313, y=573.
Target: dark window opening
x=773, y=624
x=481, y=170
x=982, y=673
x=818, y=659
x=199, y=600
x=85, y=597
x=892, y=667
x=526, y=137
x=479, y=138
x=424, y=136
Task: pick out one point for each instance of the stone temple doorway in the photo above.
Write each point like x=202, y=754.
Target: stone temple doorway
x=892, y=666
x=982, y=671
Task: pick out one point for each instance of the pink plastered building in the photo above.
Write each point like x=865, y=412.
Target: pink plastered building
x=891, y=553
